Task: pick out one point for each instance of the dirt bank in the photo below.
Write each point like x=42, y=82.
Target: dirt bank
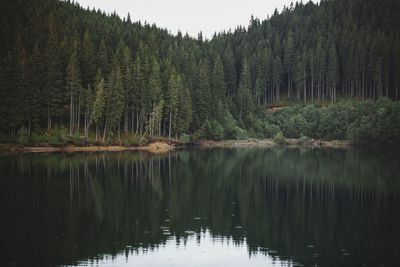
x=157, y=147
x=162, y=146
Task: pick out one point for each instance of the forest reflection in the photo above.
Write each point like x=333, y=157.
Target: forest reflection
x=326, y=207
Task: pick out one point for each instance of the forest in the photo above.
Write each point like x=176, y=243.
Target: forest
x=70, y=74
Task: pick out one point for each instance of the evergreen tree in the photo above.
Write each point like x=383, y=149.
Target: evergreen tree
x=333, y=72
x=290, y=61
x=244, y=98
x=73, y=88
x=218, y=81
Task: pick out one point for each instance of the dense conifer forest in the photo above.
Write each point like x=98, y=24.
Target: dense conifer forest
x=70, y=72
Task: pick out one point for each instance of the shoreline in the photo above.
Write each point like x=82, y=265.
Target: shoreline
x=156, y=147
x=290, y=142
x=163, y=146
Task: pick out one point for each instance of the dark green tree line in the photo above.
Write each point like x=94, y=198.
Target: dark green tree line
x=156, y=83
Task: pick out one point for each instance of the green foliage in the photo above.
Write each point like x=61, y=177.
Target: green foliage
x=295, y=126
x=377, y=126
x=58, y=136
x=184, y=138
x=238, y=133
x=270, y=130
x=280, y=139
x=130, y=140
x=49, y=59
x=23, y=135
x=214, y=130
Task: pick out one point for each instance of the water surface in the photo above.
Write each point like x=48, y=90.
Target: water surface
x=214, y=207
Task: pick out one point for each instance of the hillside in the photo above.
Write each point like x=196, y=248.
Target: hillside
x=95, y=74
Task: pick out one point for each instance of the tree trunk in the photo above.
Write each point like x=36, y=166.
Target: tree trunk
x=170, y=124
x=48, y=118
x=105, y=129
x=126, y=121
x=119, y=131
x=305, y=87
x=132, y=117
x=79, y=112
x=29, y=127
x=71, y=114
x=312, y=87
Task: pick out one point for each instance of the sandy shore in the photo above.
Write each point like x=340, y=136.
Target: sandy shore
x=162, y=147
x=157, y=147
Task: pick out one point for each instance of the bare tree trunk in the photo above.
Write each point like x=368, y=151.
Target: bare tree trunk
x=288, y=91
x=71, y=114
x=170, y=124
x=30, y=125
x=79, y=112
x=312, y=87
x=119, y=131
x=305, y=87
x=105, y=129
x=126, y=121
x=138, y=115
x=48, y=118
x=132, y=117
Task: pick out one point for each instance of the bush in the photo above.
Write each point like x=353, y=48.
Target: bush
x=184, y=138
x=295, y=126
x=304, y=139
x=214, y=130
x=22, y=135
x=270, y=130
x=130, y=140
x=239, y=133
x=229, y=124
x=279, y=139
x=78, y=140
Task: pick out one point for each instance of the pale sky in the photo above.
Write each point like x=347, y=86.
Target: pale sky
x=191, y=16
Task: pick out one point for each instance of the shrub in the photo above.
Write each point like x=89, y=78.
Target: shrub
x=22, y=135
x=239, y=133
x=295, y=126
x=184, y=138
x=304, y=139
x=270, y=130
x=130, y=140
x=279, y=138
x=77, y=139
x=214, y=130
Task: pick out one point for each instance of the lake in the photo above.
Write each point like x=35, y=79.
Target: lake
x=201, y=207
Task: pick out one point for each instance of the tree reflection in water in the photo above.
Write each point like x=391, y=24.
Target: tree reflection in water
x=325, y=207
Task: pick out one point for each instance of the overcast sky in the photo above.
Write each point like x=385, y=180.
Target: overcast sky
x=191, y=16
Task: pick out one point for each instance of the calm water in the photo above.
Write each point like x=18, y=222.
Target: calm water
x=216, y=207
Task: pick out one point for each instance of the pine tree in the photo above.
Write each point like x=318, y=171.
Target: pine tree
x=53, y=93
x=290, y=61
x=87, y=60
x=218, y=82
x=114, y=101
x=230, y=71
x=154, y=94
x=184, y=115
x=73, y=87
x=172, y=102
x=333, y=72
x=244, y=98
x=201, y=98
x=127, y=72
x=34, y=94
